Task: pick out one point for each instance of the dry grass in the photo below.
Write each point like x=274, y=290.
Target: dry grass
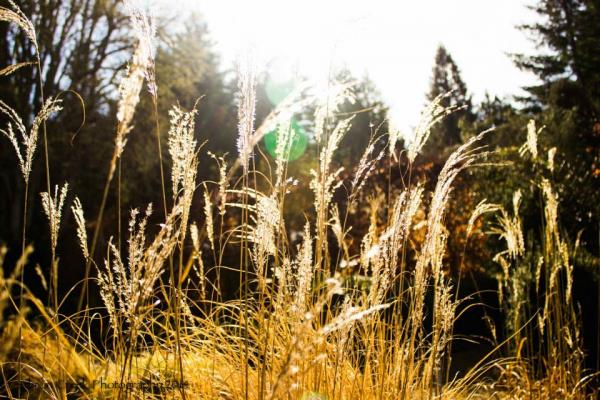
x=298, y=328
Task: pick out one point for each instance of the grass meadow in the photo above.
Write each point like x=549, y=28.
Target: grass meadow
x=326, y=312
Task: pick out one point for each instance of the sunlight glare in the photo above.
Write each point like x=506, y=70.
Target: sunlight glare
x=393, y=43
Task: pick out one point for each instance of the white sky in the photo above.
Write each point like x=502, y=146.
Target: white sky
x=392, y=41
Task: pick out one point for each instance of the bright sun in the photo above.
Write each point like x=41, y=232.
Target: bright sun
x=288, y=38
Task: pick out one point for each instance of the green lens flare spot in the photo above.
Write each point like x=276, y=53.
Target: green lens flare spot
x=298, y=140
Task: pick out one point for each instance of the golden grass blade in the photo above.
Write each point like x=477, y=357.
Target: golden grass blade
x=14, y=67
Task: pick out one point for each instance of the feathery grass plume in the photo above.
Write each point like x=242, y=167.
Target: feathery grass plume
x=304, y=272
x=538, y=273
x=246, y=109
x=444, y=316
x=329, y=103
x=430, y=116
x=284, y=277
x=369, y=247
x=482, y=208
x=40, y=274
x=141, y=66
x=551, y=156
x=187, y=195
x=185, y=200
x=509, y=228
x=344, y=335
x=262, y=234
x=366, y=165
x=282, y=150
x=284, y=141
x=208, y=214
x=517, y=300
x=433, y=248
x=77, y=210
x=265, y=218
x=129, y=92
x=333, y=143
x=402, y=217
x=223, y=181
x=53, y=206
x=144, y=29
x=464, y=157
x=564, y=255
x=108, y=289
x=182, y=145
x=560, y=258
x=324, y=182
x=531, y=144
x=184, y=305
x=340, y=234
x=126, y=289
x=550, y=212
x=29, y=141
x=505, y=265
x=377, y=262
x=26, y=149
x=195, y=236
x=382, y=257
x=182, y=148
x=17, y=17
x=350, y=316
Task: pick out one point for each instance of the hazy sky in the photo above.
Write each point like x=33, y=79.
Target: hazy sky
x=394, y=42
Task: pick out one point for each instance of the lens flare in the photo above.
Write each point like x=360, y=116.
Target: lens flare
x=298, y=141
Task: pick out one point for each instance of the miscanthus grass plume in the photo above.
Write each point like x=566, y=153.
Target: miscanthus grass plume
x=77, y=210
x=531, y=145
x=246, y=109
x=431, y=115
x=53, y=205
x=144, y=28
x=24, y=141
x=140, y=67
x=15, y=16
x=129, y=91
x=182, y=146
